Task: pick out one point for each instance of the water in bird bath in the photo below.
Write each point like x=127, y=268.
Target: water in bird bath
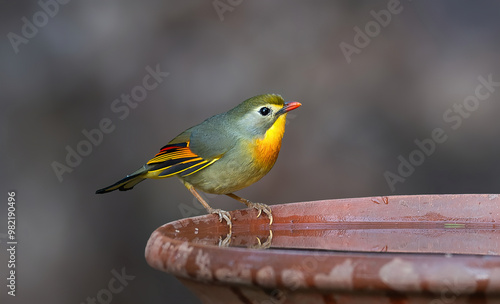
x=417, y=237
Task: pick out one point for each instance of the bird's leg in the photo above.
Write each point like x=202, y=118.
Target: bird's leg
x=260, y=207
x=221, y=213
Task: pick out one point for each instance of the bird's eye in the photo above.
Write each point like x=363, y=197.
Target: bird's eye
x=264, y=111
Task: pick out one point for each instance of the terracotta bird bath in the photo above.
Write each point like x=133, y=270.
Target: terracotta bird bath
x=397, y=249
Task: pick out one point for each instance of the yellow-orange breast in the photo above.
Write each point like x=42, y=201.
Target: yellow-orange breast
x=266, y=149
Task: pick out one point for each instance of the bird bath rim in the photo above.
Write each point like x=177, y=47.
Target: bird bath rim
x=382, y=269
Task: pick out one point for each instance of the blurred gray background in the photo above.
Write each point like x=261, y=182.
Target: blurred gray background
x=356, y=118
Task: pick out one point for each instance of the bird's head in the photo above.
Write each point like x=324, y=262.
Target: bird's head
x=256, y=115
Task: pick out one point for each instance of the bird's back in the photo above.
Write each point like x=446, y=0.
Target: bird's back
x=209, y=139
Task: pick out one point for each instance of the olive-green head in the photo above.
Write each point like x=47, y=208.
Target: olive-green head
x=258, y=114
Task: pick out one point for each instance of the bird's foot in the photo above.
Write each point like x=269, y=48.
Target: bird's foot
x=223, y=215
x=266, y=244
x=262, y=207
x=226, y=241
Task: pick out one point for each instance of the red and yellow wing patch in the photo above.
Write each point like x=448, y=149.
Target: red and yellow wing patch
x=176, y=159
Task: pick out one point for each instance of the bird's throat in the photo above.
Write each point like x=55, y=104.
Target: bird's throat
x=267, y=148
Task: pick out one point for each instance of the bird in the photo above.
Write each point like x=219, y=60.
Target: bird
x=225, y=153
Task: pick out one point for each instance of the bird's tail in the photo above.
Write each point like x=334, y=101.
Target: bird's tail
x=126, y=183
x=172, y=159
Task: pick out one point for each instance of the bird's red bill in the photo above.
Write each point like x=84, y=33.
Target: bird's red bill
x=291, y=105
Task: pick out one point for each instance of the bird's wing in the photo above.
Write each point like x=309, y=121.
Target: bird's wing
x=177, y=158
x=192, y=150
